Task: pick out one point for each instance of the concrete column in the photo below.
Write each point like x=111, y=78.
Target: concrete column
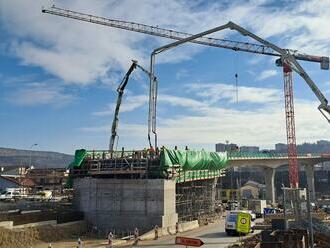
x=309, y=169
x=269, y=183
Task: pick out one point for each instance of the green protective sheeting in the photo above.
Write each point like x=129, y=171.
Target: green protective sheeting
x=193, y=160
x=185, y=176
x=79, y=157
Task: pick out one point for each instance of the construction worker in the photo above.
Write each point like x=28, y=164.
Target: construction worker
x=151, y=152
x=156, y=232
x=110, y=239
x=79, y=243
x=145, y=153
x=136, y=235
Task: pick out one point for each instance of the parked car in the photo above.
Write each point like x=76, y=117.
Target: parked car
x=10, y=195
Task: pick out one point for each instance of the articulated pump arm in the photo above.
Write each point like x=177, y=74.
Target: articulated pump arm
x=120, y=91
x=324, y=107
x=291, y=61
x=286, y=57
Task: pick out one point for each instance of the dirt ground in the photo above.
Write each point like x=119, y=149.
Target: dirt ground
x=28, y=237
x=93, y=243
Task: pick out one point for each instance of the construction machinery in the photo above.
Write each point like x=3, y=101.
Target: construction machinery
x=120, y=90
x=289, y=63
x=176, y=35
x=288, y=58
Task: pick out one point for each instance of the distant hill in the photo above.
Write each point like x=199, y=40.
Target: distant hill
x=39, y=159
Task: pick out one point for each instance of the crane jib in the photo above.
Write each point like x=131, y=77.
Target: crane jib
x=176, y=35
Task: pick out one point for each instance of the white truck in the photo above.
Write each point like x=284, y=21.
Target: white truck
x=231, y=220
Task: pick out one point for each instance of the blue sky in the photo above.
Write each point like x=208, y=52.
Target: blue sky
x=58, y=76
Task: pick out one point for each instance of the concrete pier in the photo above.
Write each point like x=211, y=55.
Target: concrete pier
x=123, y=204
x=269, y=182
x=309, y=169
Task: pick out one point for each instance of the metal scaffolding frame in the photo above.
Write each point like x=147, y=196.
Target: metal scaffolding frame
x=119, y=164
x=195, y=200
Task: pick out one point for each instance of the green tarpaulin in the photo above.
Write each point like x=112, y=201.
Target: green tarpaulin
x=193, y=160
x=191, y=165
x=79, y=157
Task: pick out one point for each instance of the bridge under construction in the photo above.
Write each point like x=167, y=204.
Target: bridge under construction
x=122, y=190
x=159, y=187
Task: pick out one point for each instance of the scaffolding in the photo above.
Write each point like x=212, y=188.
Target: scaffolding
x=195, y=199
x=119, y=164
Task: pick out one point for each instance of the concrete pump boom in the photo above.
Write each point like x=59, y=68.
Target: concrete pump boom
x=287, y=60
x=285, y=54
x=120, y=90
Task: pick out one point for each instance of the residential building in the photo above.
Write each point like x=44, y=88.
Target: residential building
x=249, y=149
x=281, y=147
x=25, y=185
x=221, y=147
x=252, y=190
x=54, y=179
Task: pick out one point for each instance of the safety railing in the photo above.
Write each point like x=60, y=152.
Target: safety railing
x=268, y=155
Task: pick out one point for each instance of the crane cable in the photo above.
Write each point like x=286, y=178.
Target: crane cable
x=235, y=60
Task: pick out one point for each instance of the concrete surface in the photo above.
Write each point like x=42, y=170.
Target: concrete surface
x=7, y=224
x=213, y=235
x=165, y=231
x=123, y=204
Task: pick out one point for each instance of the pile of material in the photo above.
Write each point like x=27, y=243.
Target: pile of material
x=252, y=241
x=321, y=240
x=22, y=238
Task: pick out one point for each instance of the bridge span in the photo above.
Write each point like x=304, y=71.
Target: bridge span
x=126, y=189
x=271, y=161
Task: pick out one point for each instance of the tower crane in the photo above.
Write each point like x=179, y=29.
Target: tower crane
x=120, y=90
x=288, y=59
x=176, y=35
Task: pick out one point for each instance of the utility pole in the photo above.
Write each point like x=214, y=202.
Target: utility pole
x=30, y=163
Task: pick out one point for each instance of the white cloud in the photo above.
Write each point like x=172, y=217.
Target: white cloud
x=82, y=53
x=32, y=94
x=263, y=126
x=131, y=103
x=216, y=92
x=267, y=74
x=181, y=73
